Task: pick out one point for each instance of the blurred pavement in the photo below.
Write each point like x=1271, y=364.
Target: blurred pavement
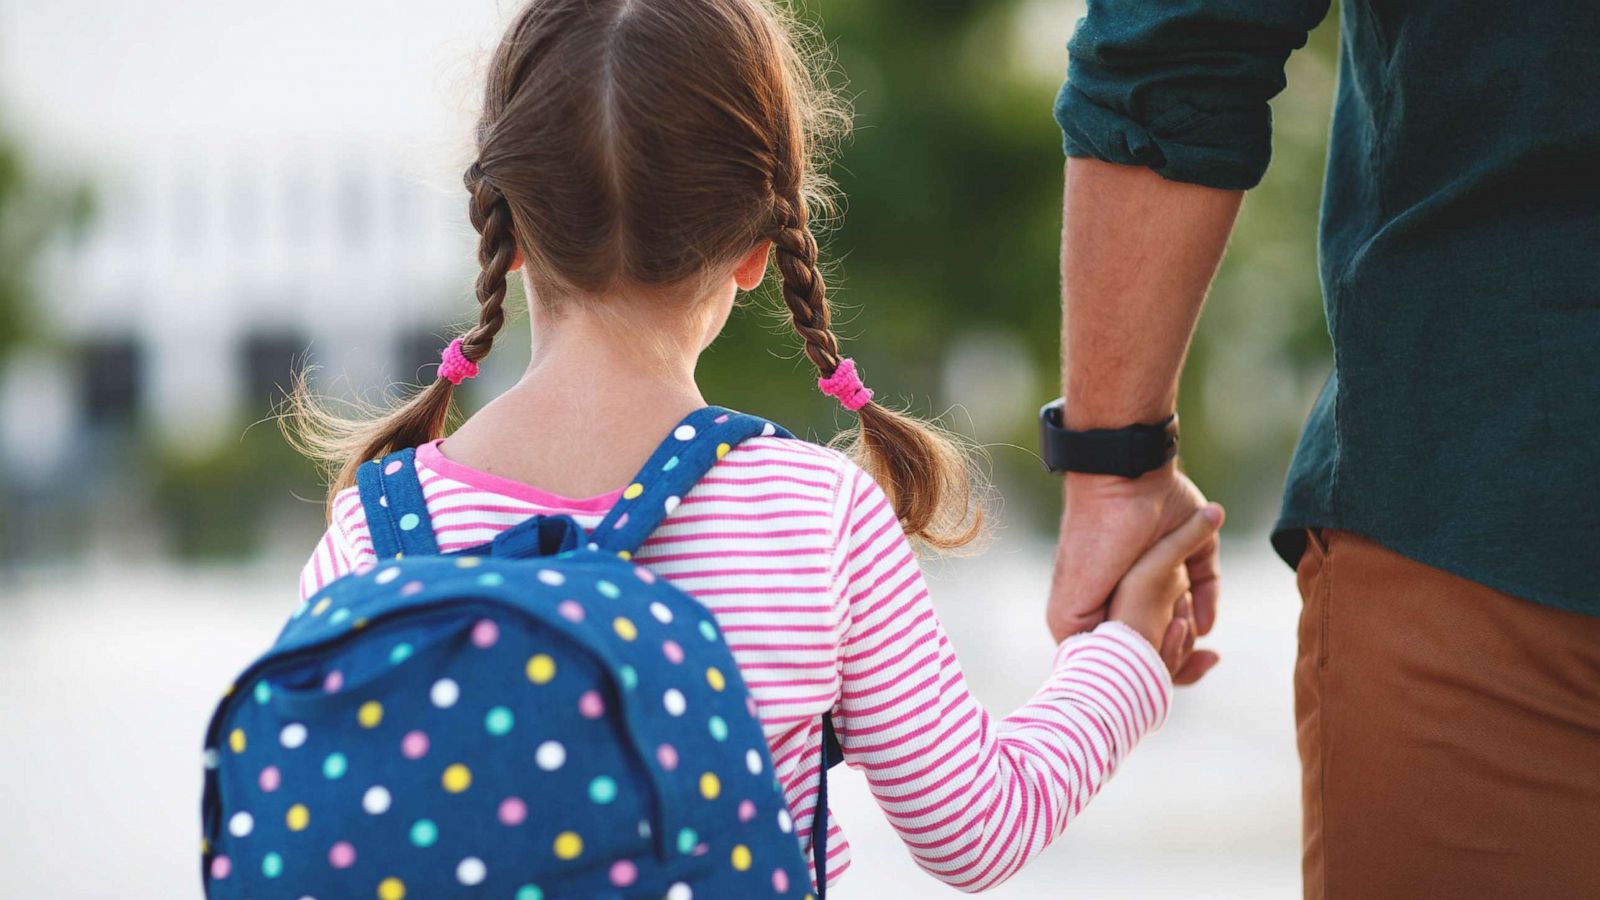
x=108, y=676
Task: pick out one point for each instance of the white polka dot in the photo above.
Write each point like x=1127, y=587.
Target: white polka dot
x=785, y=821
x=552, y=577
x=210, y=757
x=768, y=430
x=241, y=824
x=679, y=891
x=660, y=611
x=388, y=575
x=376, y=800
x=752, y=761
x=550, y=756
x=644, y=828
x=471, y=871
x=674, y=702
x=684, y=433
x=445, y=693
x=292, y=735
x=672, y=503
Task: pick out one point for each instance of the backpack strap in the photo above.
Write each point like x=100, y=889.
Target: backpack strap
x=688, y=453
x=832, y=755
x=397, y=513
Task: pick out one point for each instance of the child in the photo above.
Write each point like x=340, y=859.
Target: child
x=638, y=162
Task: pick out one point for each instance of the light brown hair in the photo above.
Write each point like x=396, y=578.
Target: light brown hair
x=648, y=142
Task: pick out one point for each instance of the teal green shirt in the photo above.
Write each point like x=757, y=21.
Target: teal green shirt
x=1460, y=256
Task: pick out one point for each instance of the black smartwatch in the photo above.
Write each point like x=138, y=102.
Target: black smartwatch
x=1126, y=452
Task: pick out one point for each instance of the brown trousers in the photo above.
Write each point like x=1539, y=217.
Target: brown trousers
x=1449, y=734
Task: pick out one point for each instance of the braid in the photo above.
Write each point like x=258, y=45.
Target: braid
x=924, y=472
x=497, y=253
x=804, y=290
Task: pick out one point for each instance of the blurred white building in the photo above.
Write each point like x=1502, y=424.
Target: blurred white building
x=268, y=181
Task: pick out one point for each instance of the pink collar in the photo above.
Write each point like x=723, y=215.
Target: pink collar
x=430, y=456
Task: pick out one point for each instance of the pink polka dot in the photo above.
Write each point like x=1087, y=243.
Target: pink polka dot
x=270, y=779
x=571, y=610
x=621, y=520
x=333, y=682
x=702, y=849
x=667, y=755
x=747, y=810
x=392, y=468
x=410, y=588
x=750, y=704
x=623, y=873
x=485, y=633
x=513, y=811
x=719, y=420
x=780, y=881
x=342, y=855
x=673, y=652
x=414, y=745
x=221, y=867
x=590, y=706
x=645, y=575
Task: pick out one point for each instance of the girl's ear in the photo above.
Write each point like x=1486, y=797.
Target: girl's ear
x=753, y=267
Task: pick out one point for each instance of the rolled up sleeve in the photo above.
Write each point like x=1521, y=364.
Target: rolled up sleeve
x=1181, y=86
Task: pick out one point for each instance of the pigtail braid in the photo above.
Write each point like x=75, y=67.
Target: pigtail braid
x=924, y=471
x=497, y=253
x=341, y=443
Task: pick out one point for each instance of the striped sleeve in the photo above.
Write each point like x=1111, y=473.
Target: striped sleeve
x=974, y=798
x=345, y=547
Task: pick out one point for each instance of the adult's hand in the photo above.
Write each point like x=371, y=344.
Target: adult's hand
x=1106, y=523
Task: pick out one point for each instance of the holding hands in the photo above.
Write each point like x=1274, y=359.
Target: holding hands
x=1143, y=552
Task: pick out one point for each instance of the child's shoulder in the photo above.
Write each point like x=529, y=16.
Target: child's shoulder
x=796, y=458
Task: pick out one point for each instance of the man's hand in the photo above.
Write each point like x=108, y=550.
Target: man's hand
x=1106, y=524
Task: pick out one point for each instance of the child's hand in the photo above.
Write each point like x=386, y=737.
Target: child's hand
x=1153, y=598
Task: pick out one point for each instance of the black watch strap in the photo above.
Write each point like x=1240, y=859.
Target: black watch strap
x=1126, y=452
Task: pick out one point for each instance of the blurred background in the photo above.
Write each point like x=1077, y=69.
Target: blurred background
x=198, y=198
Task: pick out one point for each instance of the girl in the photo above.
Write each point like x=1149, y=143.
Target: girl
x=639, y=162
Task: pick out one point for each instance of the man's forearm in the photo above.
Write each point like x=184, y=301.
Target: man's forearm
x=1137, y=255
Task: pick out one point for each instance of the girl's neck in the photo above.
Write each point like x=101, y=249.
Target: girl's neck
x=595, y=400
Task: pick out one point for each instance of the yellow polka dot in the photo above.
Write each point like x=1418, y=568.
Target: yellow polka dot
x=205, y=846
x=321, y=607
x=715, y=679
x=370, y=714
x=359, y=624
x=624, y=555
x=710, y=786
x=541, y=669
x=741, y=857
x=468, y=562
x=391, y=889
x=298, y=817
x=230, y=690
x=722, y=450
x=457, y=778
x=568, y=845
x=634, y=490
x=236, y=740
x=625, y=628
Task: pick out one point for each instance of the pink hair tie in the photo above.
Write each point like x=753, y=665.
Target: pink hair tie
x=845, y=386
x=455, y=367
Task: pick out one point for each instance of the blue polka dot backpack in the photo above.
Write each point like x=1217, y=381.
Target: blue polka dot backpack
x=534, y=718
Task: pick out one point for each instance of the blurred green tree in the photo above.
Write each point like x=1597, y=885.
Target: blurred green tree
x=32, y=212
x=952, y=185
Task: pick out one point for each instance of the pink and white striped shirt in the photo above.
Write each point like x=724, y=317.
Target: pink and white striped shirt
x=798, y=554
